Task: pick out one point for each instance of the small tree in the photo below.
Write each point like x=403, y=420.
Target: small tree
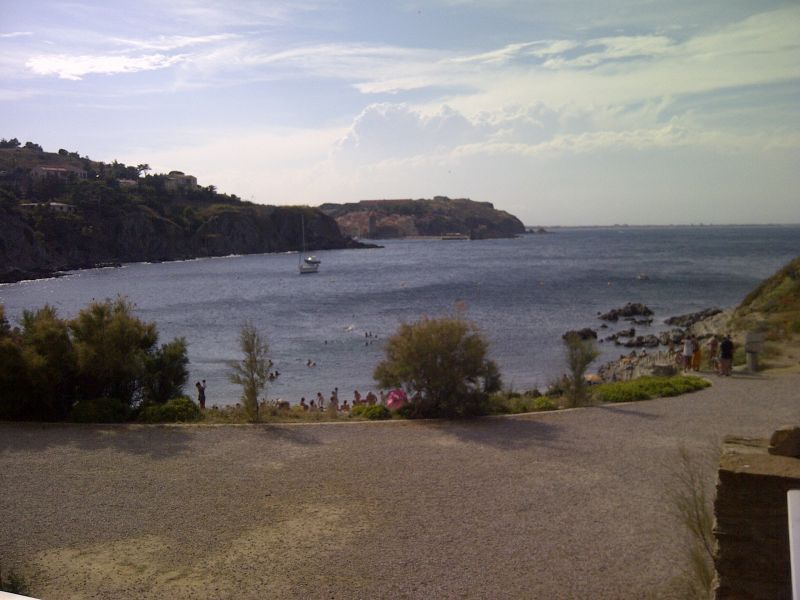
x=252, y=371
x=112, y=348
x=579, y=354
x=443, y=363
x=50, y=364
x=166, y=372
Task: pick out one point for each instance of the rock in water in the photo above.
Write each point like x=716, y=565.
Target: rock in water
x=631, y=309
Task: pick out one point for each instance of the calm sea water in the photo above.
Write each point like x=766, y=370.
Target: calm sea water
x=524, y=293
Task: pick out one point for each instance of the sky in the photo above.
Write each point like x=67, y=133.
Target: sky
x=562, y=112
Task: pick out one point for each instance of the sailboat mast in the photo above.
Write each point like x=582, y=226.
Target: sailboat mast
x=303, y=237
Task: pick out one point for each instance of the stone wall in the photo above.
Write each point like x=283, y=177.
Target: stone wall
x=752, y=528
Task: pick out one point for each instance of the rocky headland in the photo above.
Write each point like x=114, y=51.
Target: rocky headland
x=59, y=212
x=437, y=217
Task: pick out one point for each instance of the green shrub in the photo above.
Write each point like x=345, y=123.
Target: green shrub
x=104, y=352
x=515, y=403
x=739, y=356
x=252, y=372
x=100, y=410
x=579, y=354
x=374, y=412
x=443, y=364
x=177, y=410
x=645, y=388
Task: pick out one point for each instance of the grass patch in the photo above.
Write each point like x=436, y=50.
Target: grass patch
x=646, y=388
x=510, y=403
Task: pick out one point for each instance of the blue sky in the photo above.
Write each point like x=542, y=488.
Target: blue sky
x=561, y=112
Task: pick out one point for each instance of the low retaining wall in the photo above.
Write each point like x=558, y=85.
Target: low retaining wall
x=752, y=528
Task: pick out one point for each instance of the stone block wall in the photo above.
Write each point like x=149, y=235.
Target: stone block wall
x=752, y=528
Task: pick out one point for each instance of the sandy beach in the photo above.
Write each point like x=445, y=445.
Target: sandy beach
x=570, y=504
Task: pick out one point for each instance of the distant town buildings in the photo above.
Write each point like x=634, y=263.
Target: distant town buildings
x=59, y=207
x=177, y=180
x=63, y=173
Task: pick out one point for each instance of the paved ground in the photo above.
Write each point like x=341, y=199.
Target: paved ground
x=560, y=505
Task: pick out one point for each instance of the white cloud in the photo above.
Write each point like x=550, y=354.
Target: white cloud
x=494, y=57
x=76, y=67
x=15, y=34
x=614, y=48
x=173, y=42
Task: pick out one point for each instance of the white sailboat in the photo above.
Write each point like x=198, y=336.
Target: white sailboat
x=306, y=266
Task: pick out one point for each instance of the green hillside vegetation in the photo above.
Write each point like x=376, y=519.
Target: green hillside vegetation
x=774, y=306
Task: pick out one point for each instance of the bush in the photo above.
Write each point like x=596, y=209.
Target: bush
x=443, y=363
x=514, y=403
x=100, y=410
x=177, y=410
x=166, y=372
x=579, y=354
x=252, y=371
x=374, y=412
x=105, y=352
x=645, y=388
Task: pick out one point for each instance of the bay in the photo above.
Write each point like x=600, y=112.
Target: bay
x=524, y=293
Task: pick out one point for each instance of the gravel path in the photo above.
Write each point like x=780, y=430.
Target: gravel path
x=559, y=505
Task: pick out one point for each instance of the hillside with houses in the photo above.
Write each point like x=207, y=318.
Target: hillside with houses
x=60, y=211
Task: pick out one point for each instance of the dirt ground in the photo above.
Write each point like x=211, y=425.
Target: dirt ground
x=572, y=504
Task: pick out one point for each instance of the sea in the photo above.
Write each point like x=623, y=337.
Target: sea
x=523, y=294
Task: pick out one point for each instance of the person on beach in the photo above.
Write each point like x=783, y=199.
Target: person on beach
x=371, y=398
x=696, y=354
x=201, y=394
x=345, y=407
x=303, y=404
x=713, y=350
x=356, y=398
x=688, y=349
x=726, y=356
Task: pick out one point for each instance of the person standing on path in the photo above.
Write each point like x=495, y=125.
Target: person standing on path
x=696, y=354
x=725, y=356
x=688, y=349
x=201, y=394
x=713, y=351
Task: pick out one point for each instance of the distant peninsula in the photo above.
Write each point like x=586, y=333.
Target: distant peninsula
x=442, y=217
x=60, y=211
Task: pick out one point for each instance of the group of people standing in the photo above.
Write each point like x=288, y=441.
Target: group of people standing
x=319, y=403
x=720, y=354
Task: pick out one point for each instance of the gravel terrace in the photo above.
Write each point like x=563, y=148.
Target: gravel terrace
x=558, y=505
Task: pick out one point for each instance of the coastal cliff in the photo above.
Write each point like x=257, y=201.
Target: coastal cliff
x=383, y=219
x=59, y=211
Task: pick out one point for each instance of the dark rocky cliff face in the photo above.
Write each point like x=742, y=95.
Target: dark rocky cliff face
x=37, y=243
x=22, y=252
x=380, y=219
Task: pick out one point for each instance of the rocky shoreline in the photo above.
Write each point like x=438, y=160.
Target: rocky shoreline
x=651, y=353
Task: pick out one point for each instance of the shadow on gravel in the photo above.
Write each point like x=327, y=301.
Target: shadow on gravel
x=503, y=434
x=293, y=435
x=153, y=442
x=628, y=411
